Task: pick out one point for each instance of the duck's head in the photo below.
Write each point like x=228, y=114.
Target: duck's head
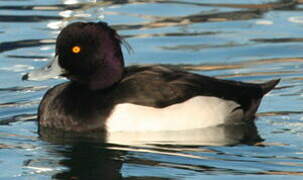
x=86, y=53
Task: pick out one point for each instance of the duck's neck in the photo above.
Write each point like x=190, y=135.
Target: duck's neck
x=111, y=72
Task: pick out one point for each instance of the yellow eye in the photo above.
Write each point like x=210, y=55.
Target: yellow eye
x=76, y=49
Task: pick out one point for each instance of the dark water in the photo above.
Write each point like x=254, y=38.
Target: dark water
x=253, y=41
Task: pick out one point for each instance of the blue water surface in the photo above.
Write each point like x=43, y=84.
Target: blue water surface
x=251, y=41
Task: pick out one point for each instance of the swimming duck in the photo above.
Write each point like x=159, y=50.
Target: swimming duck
x=103, y=95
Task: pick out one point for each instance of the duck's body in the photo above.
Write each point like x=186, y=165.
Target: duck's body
x=104, y=96
x=152, y=98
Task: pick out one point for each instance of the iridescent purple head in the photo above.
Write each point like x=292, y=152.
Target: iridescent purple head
x=88, y=54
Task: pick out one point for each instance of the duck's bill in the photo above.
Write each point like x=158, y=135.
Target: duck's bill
x=51, y=70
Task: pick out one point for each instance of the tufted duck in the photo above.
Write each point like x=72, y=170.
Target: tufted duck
x=103, y=95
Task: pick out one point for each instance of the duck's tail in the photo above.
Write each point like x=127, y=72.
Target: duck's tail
x=249, y=114
x=269, y=85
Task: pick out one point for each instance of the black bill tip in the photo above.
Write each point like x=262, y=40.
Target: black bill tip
x=25, y=77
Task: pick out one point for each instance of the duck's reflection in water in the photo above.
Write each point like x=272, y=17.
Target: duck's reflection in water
x=224, y=135
x=90, y=161
x=84, y=156
x=91, y=156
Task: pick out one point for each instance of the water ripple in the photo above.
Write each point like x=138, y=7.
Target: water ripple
x=247, y=41
x=8, y=46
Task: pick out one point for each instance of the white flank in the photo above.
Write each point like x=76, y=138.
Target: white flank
x=197, y=112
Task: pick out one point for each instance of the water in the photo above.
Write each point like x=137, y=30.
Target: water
x=253, y=41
